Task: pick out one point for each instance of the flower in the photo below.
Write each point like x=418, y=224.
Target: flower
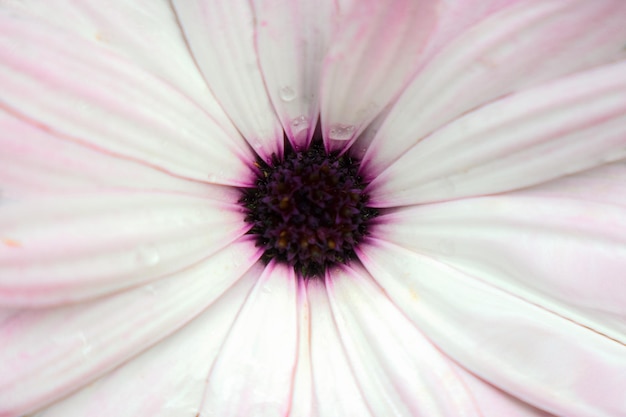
x=492, y=135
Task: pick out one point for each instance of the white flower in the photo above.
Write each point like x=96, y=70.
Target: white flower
x=493, y=283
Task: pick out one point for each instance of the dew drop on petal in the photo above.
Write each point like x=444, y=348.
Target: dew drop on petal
x=299, y=124
x=341, y=132
x=287, y=93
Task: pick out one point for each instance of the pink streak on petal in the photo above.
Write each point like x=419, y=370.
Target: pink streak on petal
x=546, y=132
x=292, y=38
x=87, y=245
x=519, y=47
x=49, y=353
x=373, y=53
x=167, y=380
x=253, y=372
x=84, y=96
x=220, y=35
x=398, y=370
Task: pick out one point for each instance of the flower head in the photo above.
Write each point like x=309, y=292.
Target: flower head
x=458, y=212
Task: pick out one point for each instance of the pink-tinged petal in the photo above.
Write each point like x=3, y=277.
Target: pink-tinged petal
x=221, y=37
x=534, y=354
x=168, y=380
x=455, y=17
x=399, y=371
x=34, y=162
x=49, y=353
x=252, y=375
x=63, y=249
x=302, y=397
x=292, y=39
x=565, y=254
x=604, y=184
x=336, y=392
x=494, y=402
x=132, y=29
x=516, y=48
x=91, y=95
x=555, y=129
x=373, y=52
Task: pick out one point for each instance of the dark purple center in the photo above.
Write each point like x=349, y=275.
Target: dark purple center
x=309, y=209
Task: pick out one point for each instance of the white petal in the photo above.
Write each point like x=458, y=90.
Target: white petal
x=565, y=254
x=531, y=137
x=34, y=162
x=373, y=52
x=146, y=32
x=534, y=354
x=302, y=398
x=493, y=402
x=93, y=96
x=48, y=353
x=605, y=184
x=292, y=39
x=62, y=249
x=168, y=380
x=518, y=47
x=221, y=37
x=399, y=371
x=334, y=383
x=253, y=372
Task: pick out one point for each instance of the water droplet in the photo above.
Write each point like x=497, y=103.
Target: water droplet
x=147, y=255
x=299, y=124
x=341, y=132
x=287, y=93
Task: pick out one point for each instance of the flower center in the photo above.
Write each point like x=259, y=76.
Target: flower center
x=309, y=209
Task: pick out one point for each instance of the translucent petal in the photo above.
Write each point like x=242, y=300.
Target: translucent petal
x=84, y=95
x=550, y=246
x=540, y=357
x=292, y=38
x=252, y=374
x=49, y=353
x=520, y=46
x=221, y=37
x=336, y=392
x=132, y=29
x=494, y=402
x=167, y=380
x=528, y=138
x=34, y=162
x=399, y=371
x=63, y=249
x=302, y=397
x=373, y=52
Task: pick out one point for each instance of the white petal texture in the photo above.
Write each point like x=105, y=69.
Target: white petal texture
x=221, y=37
x=562, y=127
x=86, y=96
x=519, y=46
x=539, y=356
x=48, y=353
x=374, y=44
x=291, y=65
x=490, y=282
